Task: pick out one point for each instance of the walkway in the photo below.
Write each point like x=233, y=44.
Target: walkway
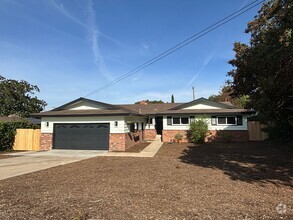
x=149, y=151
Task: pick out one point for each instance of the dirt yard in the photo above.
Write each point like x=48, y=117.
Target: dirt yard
x=210, y=181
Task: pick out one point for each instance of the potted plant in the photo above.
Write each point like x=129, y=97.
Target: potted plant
x=178, y=137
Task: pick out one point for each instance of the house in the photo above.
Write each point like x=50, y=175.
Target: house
x=89, y=124
x=13, y=118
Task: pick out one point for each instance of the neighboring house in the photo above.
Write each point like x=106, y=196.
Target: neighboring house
x=89, y=124
x=12, y=118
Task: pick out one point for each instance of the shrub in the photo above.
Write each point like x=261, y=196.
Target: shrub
x=198, y=131
x=8, y=131
x=178, y=137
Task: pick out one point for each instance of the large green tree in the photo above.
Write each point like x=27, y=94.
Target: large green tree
x=18, y=97
x=225, y=95
x=263, y=68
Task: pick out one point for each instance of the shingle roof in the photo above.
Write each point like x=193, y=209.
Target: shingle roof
x=89, y=112
x=139, y=109
x=150, y=109
x=206, y=111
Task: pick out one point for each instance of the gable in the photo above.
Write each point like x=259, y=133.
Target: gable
x=203, y=103
x=85, y=104
x=202, y=106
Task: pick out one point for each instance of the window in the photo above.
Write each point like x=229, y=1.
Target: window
x=231, y=120
x=214, y=120
x=176, y=121
x=184, y=121
x=192, y=119
x=221, y=120
x=226, y=120
x=150, y=120
x=239, y=120
x=169, y=120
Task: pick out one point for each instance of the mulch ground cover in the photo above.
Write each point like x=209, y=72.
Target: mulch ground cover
x=138, y=147
x=209, y=181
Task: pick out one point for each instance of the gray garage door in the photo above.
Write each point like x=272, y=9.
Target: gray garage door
x=81, y=136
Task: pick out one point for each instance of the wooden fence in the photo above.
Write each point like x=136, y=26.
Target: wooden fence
x=27, y=139
x=255, y=131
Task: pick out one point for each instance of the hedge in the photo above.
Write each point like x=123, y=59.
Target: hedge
x=8, y=131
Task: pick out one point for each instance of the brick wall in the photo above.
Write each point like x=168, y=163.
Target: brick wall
x=212, y=136
x=223, y=135
x=123, y=141
x=168, y=135
x=46, y=141
x=150, y=134
x=117, y=142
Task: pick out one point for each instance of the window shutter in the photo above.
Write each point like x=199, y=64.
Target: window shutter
x=239, y=120
x=214, y=120
x=169, y=120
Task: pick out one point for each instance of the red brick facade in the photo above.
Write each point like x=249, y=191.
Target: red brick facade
x=150, y=134
x=168, y=135
x=212, y=136
x=46, y=141
x=123, y=141
x=225, y=135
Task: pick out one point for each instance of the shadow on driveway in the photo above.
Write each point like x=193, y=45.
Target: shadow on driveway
x=252, y=162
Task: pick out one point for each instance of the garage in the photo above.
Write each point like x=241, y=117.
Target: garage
x=81, y=136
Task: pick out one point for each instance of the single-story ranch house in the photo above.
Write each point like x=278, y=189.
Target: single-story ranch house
x=89, y=124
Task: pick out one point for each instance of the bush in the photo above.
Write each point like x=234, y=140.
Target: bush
x=178, y=137
x=198, y=131
x=8, y=131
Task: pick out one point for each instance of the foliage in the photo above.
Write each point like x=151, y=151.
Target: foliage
x=8, y=131
x=172, y=99
x=178, y=137
x=150, y=102
x=263, y=68
x=198, y=131
x=17, y=97
x=225, y=95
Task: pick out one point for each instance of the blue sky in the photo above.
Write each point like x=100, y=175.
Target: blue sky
x=69, y=48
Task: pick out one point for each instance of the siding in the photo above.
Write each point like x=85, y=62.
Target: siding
x=202, y=106
x=119, y=129
x=242, y=127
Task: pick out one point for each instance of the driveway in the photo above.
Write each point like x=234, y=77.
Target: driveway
x=31, y=161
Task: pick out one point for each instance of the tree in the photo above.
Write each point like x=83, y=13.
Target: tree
x=17, y=97
x=172, y=99
x=225, y=95
x=263, y=68
x=150, y=102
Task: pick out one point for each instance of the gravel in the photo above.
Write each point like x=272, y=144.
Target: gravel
x=209, y=181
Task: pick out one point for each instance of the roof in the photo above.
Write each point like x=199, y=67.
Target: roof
x=18, y=118
x=141, y=109
x=207, y=111
x=203, y=100
x=150, y=109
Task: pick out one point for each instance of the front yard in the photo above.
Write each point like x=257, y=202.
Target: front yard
x=210, y=181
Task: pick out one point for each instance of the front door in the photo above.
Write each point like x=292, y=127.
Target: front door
x=159, y=125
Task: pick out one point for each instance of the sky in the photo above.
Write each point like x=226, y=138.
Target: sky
x=69, y=48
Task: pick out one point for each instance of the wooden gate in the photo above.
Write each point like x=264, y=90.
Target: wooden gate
x=255, y=131
x=27, y=139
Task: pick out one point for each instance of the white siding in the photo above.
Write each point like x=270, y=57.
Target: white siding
x=84, y=106
x=99, y=119
x=203, y=106
x=242, y=127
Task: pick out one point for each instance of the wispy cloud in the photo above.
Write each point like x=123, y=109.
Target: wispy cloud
x=205, y=63
x=93, y=33
x=60, y=7
x=145, y=46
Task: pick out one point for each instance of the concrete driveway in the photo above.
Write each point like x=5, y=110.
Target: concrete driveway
x=31, y=161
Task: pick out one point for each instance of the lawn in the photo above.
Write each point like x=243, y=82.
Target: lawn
x=209, y=181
